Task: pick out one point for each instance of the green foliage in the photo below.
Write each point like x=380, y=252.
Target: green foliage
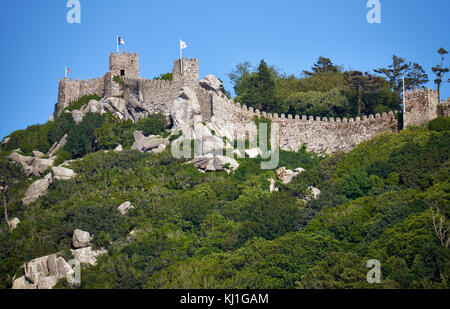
x=81, y=140
x=81, y=102
x=60, y=126
x=153, y=125
x=34, y=137
x=439, y=124
x=165, y=76
x=219, y=230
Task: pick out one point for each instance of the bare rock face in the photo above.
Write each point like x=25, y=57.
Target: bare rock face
x=38, y=154
x=87, y=255
x=62, y=173
x=37, y=189
x=185, y=108
x=81, y=239
x=118, y=149
x=6, y=140
x=125, y=207
x=211, y=82
x=22, y=284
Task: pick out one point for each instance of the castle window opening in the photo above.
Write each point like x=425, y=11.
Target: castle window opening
x=122, y=72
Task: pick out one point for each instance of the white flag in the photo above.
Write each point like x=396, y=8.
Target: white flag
x=183, y=45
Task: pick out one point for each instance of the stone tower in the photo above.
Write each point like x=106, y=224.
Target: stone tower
x=126, y=64
x=421, y=105
x=190, y=73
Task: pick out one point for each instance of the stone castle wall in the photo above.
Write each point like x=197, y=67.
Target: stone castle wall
x=320, y=135
x=71, y=90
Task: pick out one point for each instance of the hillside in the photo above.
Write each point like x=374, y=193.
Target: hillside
x=190, y=229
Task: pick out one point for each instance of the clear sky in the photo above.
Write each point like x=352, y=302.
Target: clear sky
x=37, y=41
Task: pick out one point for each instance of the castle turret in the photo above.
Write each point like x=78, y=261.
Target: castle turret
x=189, y=74
x=126, y=64
x=421, y=105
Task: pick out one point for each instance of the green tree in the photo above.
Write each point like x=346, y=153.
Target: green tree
x=440, y=71
x=362, y=84
x=322, y=65
x=395, y=72
x=10, y=175
x=165, y=76
x=416, y=77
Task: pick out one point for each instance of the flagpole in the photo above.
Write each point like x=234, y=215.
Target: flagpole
x=117, y=43
x=181, y=59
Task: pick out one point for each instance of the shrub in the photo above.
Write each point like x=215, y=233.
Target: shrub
x=81, y=140
x=439, y=124
x=153, y=125
x=84, y=100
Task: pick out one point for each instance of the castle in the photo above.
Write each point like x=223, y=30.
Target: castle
x=147, y=96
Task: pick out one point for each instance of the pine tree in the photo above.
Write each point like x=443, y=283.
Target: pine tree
x=322, y=65
x=440, y=71
x=395, y=72
x=416, y=77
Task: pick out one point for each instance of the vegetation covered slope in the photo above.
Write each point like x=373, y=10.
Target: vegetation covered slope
x=214, y=230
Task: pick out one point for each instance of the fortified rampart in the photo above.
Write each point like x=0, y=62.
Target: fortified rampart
x=318, y=134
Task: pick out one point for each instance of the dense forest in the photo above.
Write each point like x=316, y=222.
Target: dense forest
x=388, y=199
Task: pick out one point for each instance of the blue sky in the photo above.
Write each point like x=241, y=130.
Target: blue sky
x=37, y=42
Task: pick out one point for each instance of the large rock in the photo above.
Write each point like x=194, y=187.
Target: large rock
x=40, y=166
x=252, y=153
x=77, y=116
x=87, y=255
x=118, y=149
x=6, y=140
x=62, y=173
x=287, y=175
x=13, y=223
x=272, y=187
x=146, y=144
x=43, y=273
x=315, y=193
x=186, y=108
x=36, y=189
x=22, y=284
x=212, y=163
x=81, y=239
x=125, y=207
x=211, y=82
x=25, y=161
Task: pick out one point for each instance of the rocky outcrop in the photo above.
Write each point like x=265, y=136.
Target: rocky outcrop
x=125, y=207
x=212, y=83
x=149, y=143
x=118, y=149
x=186, y=108
x=35, y=165
x=43, y=273
x=36, y=189
x=81, y=239
x=39, y=187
